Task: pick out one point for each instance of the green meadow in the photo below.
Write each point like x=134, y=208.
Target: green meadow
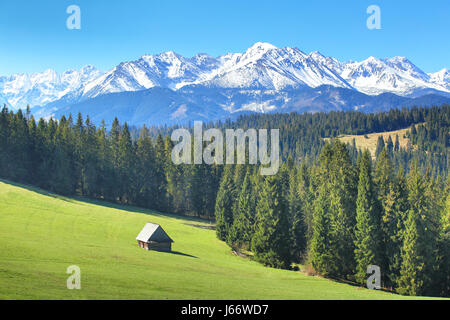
x=42, y=234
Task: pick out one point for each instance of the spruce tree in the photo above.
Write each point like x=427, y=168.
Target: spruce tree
x=125, y=165
x=419, y=244
x=106, y=173
x=392, y=225
x=242, y=229
x=224, y=204
x=297, y=223
x=146, y=183
x=160, y=175
x=320, y=253
x=390, y=146
x=339, y=176
x=397, y=144
x=270, y=242
x=367, y=233
x=383, y=175
x=305, y=191
x=380, y=146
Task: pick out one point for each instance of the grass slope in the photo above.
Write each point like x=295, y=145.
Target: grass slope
x=369, y=141
x=41, y=234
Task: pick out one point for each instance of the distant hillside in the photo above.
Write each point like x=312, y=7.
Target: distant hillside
x=163, y=106
x=369, y=141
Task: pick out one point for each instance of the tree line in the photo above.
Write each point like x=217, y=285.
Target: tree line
x=77, y=158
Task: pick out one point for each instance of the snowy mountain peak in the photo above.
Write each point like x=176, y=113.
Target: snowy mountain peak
x=444, y=73
x=441, y=78
x=263, y=66
x=262, y=46
x=256, y=51
x=41, y=88
x=317, y=55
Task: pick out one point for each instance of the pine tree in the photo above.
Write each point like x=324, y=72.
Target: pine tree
x=297, y=223
x=146, y=184
x=380, y=146
x=443, y=281
x=105, y=167
x=320, y=253
x=270, y=242
x=62, y=175
x=18, y=142
x=393, y=225
x=242, y=229
x=160, y=176
x=419, y=246
x=4, y=133
x=196, y=188
x=125, y=165
x=175, y=199
x=383, y=176
x=79, y=152
x=390, y=146
x=367, y=236
x=90, y=164
x=305, y=191
x=397, y=144
x=339, y=176
x=224, y=204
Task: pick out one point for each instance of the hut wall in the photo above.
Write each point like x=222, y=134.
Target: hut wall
x=157, y=246
x=160, y=246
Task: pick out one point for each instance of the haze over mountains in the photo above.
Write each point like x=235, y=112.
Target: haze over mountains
x=169, y=88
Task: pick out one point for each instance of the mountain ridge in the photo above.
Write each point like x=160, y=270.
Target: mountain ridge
x=262, y=66
x=264, y=78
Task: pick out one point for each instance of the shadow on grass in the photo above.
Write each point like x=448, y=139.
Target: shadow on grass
x=182, y=254
x=103, y=203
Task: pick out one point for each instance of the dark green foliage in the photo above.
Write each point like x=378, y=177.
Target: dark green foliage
x=380, y=146
x=420, y=241
x=297, y=221
x=321, y=255
x=80, y=159
x=242, y=229
x=336, y=213
x=395, y=208
x=270, y=241
x=146, y=184
x=367, y=232
x=224, y=204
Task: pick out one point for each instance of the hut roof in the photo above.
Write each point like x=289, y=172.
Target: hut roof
x=153, y=232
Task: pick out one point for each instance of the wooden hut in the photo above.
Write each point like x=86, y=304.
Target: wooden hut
x=153, y=237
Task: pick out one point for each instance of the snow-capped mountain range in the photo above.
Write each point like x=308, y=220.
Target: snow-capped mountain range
x=262, y=67
x=39, y=89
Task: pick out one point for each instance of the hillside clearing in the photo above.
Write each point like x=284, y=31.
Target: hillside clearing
x=369, y=141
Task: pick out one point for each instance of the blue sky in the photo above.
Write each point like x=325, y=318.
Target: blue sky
x=34, y=37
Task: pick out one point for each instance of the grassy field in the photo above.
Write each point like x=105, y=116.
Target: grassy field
x=369, y=141
x=41, y=234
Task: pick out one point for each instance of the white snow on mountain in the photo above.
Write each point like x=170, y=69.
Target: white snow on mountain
x=268, y=67
x=265, y=66
x=441, y=78
x=168, y=70
x=262, y=66
x=36, y=89
x=397, y=75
